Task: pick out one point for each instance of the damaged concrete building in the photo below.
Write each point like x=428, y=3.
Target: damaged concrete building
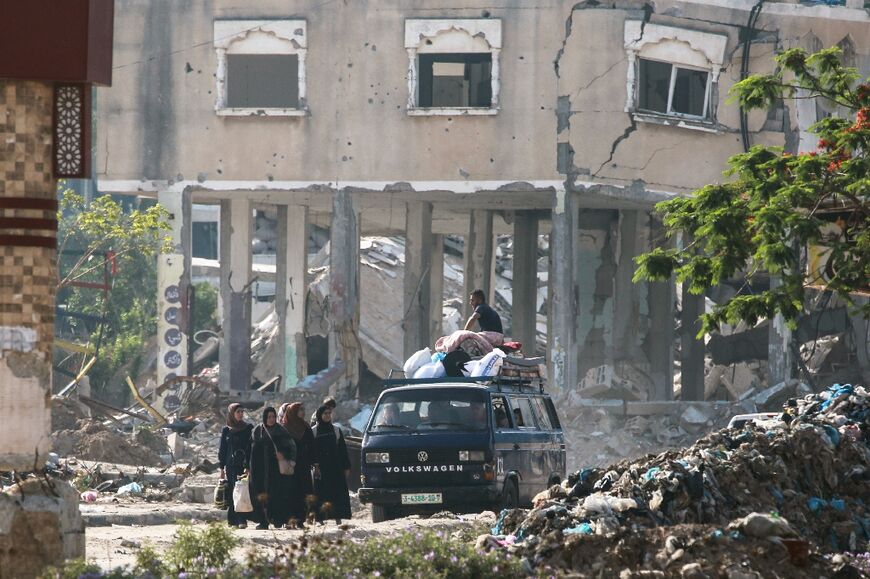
x=428, y=119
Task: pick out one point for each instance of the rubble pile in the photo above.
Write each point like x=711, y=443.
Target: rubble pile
x=92, y=440
x=744, y=500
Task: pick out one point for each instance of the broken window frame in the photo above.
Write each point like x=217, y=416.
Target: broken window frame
x=468, y=60
x=260, y=37
x=671, y=87
x=452, y=36
x=682, y=48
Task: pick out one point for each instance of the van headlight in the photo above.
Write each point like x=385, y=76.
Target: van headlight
x=377, y=457
x=471, y=456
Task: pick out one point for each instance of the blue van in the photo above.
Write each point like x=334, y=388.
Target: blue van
x=459, y=444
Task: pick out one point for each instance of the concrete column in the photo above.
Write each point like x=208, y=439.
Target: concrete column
x=525, y=282
x=478, y=256
x=344, y=341
x=173, y=298
x=291, y=288
x=28, y=280
x=627, y=332
x=660, y=339
x=562, y=357
x=780, y=359
x=416, y=284
x=436, y=289
x=691, y=349
x=235, y=252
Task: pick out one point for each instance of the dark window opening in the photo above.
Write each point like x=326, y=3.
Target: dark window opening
x=671, y=90
x=455, y=80
x=690, y=91
x=205, y=239
x=655, y=83
x=263, y=81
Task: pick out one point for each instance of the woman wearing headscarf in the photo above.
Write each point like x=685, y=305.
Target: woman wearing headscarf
x=233, y=457
x=331, y=467
x=270, y=490
x=302, y=488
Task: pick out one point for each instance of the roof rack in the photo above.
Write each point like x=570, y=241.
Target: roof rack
x=496, y=383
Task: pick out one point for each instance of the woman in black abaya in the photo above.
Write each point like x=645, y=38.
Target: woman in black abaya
x=331, y=467
x=270, y=490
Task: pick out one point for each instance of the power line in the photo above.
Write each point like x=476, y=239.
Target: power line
x=172, y=53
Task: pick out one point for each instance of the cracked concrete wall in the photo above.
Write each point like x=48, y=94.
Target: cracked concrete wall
x=27, y=275
x=624, y=150
x=357, y=92
x=592, y=91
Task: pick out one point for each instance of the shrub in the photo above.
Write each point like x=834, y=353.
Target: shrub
x=207, y=553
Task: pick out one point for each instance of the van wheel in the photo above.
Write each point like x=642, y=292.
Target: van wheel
x=381, y=513
x=510, y=496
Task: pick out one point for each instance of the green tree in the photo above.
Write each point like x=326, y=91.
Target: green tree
x=102, y=238
x=775, y=204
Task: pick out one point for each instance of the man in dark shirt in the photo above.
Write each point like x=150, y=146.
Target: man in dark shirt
x=486, y=317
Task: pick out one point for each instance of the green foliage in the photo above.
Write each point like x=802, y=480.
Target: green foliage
x=776, y=205
x=205, y=310
x=99, y=238
x=197, y=554
x=407, y=555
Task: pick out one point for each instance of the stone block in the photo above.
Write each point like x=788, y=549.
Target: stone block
x=40, y=526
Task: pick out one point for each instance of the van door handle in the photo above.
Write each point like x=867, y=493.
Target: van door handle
x=516, y=446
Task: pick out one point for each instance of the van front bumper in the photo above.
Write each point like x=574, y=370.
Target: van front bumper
x=476, y=494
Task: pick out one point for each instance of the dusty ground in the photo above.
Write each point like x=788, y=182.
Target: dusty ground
x=116, y=545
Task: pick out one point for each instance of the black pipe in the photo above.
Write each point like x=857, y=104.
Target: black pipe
x=749, y=33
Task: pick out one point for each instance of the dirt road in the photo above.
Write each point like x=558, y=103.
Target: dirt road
x=116, y=545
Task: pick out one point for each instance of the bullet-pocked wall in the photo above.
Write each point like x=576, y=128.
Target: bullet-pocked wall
x=159, y=120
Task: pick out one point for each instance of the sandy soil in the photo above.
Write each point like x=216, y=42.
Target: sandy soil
x=116, y=545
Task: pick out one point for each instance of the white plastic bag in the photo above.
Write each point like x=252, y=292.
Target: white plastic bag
x=242, y=497
x=489, y=365
x=413, y=363
x=431, y=370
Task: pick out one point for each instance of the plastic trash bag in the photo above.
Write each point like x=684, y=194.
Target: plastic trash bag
x=431, y=370
x=489, y=365
x=242, y=497
x=133, y=488
x=418, y=359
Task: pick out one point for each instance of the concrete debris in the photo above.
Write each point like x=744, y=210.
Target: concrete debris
x=623, y=381
x=92, y=440
x=40, y=525
x=737, y=503
x=696, y=418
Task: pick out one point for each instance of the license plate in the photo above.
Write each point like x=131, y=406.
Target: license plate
x=422, y=499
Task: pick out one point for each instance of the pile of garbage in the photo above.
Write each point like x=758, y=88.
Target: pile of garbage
x=746, y=500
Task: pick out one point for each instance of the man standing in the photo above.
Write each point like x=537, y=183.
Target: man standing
x=486, y=317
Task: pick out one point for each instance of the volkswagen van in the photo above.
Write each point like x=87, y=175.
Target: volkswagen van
x=459, y=444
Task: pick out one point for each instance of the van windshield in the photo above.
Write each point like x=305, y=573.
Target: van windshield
x=431, y=409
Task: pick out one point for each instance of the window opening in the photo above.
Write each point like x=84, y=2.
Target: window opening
x=500, y=414
x=263, y=81
x=541, y=414
x=673, y=90
x=455, y=80
x=522, y=413
x=205, y=239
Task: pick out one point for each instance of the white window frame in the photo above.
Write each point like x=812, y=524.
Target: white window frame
x=670, y=108
x=428, y=36
x=260, y=37
x=681, y=48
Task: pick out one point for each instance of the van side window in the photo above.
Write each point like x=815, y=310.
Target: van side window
x=522, y=412
x=541, y=413
x=554, y=417
x=500, y=412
